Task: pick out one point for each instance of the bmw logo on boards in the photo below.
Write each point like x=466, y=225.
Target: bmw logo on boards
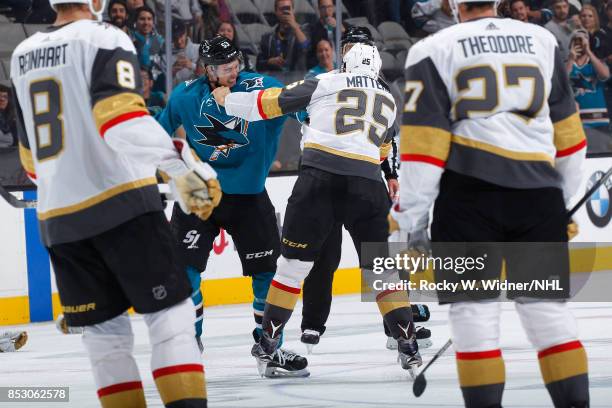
x=598, y=206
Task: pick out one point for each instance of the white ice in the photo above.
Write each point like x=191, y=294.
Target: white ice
x=349, y=368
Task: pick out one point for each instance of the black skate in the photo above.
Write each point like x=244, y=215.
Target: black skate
x=423, y=338
x=310, y=338
x=408, y=355
x=273, y=362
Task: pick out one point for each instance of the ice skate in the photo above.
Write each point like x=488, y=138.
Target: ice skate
x=63, y=327
x=310, y=338
x=274, y=363
x=408, y=355
x=12, y=341
x=423, y=337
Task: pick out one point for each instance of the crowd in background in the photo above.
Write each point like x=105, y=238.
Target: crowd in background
x=293, y=49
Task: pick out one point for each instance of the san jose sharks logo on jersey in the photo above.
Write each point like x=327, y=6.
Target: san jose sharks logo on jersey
x=223, y=136
x=251, y=83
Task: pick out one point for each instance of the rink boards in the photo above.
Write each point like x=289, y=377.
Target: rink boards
x=27, y=285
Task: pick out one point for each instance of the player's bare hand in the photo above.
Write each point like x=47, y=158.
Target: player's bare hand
x=220, y=94
x=572, y=230
x=393, y=186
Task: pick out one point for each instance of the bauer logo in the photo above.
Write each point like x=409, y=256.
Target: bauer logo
x=598, y=205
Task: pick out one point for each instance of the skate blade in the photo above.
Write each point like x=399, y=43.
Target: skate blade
x=274, y=372
x=309, y=348
x=21, y=340
x=261, y=368
x=391, y=343
x=413, y=372
x=424, y=343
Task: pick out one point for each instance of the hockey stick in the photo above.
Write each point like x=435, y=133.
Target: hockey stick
x=589, y=193
x=17, y=203
x=420, y=382
x=14, y=201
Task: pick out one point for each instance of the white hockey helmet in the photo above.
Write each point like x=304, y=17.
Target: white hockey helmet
x=454, y=5
x=96, y=12
x=362, y=59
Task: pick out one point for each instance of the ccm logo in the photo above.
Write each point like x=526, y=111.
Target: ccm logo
x=259, y=254
x=294, y=244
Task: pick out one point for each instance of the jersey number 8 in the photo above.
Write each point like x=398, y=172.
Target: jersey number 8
x=46, y=101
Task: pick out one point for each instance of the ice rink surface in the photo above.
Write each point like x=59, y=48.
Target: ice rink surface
x=349, y=368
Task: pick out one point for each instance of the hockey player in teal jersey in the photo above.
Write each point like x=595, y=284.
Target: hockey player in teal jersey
x=241, y=152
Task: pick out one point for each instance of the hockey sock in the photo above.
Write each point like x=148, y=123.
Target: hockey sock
x=195, y=279
x=565, y=372
x=482, y=378
x=110, y=345
x=176, y=362
x=261, y=284
x=283, y=294
x=397, y=315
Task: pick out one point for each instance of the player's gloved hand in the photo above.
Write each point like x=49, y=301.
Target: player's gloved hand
x=572, y=230
x=197, y=191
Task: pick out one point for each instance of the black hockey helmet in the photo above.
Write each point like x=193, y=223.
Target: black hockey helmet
x=357, y=35
x=218, y=51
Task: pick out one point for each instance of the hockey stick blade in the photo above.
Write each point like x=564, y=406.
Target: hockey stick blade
x=15, y=202
x=589, y=193
x=420, y=383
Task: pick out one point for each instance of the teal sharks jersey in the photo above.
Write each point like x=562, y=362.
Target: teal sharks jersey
x=241, y=152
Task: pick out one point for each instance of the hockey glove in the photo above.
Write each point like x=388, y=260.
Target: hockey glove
x=197, y=191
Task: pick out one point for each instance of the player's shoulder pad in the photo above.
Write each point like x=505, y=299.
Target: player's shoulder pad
x=103, y=35
x=432, y=45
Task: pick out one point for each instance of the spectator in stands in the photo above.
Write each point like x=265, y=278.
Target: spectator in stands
x=228, y=30
x=41, y=13
x=521, y=10
x=20, y=9
x=8, y=123
x=149, y=44
x=324, y=28
x=588, y=75
x=433, y=15
x=118, y=15
x=608, y=31
x=153, y=99
x=561, y=26
x=184, y=54
x=325, y=56
x=589, y=20
x=213, y=13
x=284, y=48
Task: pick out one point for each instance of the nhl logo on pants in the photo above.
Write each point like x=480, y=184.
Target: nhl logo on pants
x=159, y=292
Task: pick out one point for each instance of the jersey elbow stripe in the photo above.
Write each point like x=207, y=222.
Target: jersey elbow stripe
x=25, y=155
x=115, y=109
x=571, y=150
x=267, y=103
x=425, y=143
x=569, y=135
x=423, y=159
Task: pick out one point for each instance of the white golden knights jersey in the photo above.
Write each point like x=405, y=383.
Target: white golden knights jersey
x=82, y=120
x=489, y=99
x=351, y=119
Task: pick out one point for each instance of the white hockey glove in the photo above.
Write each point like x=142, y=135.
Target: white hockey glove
x=198, y=191
x=415, y=243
